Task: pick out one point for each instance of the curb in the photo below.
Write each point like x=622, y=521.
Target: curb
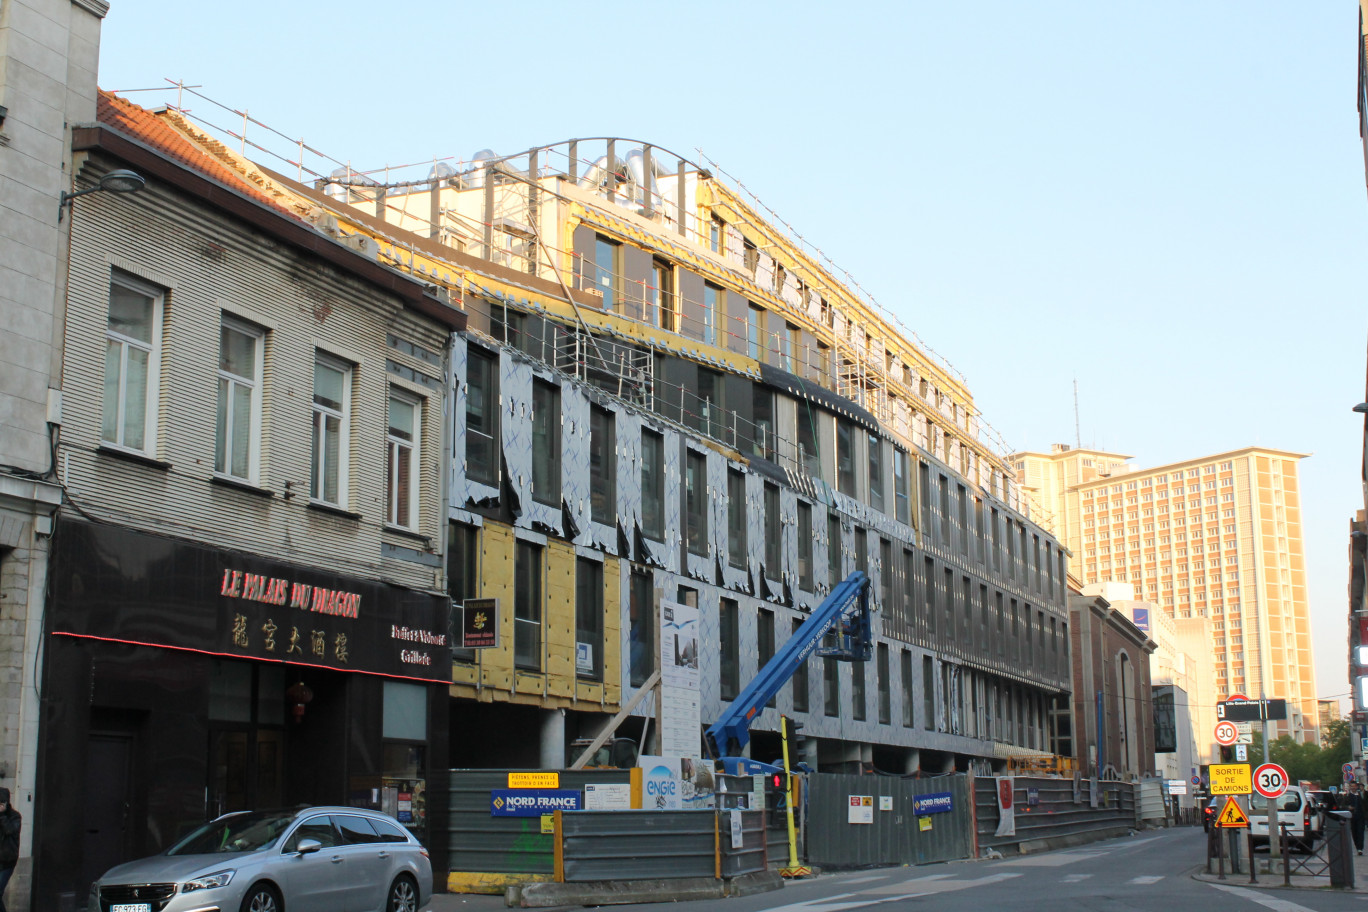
x=604, y=893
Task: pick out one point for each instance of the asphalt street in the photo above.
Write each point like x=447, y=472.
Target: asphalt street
x=1151, y=871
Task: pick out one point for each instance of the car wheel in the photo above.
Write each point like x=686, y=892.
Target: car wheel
x=262, y=898
x=403, y=895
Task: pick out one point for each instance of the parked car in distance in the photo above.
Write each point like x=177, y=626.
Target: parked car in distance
x=318, y=859
x=1296, y=811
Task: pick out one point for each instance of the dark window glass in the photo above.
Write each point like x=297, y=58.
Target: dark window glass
x=885, y=575
x=762, y=414
x=607, y=255
x=764, y=640
x=546, y=444
x=653, y=485
x=902, y=487
x=806, y=578
x=589, y=619
x=388, y=832
x=527, y=606
x=641, y=633
x=876, y=490
x=482, y=417
x=463, y=577
x=808, y=452
x=857, y=690
x=909, y=708
x=831, y=684
x=885, y=686
x=602, y=466
x=729, y=635
x=319, y=828
x=355, y=830
x=773, y=534
x=695, y=502
x=929, y=597
x=845, y=458
x=928, y=693
x=736, y=519
x=834, y=550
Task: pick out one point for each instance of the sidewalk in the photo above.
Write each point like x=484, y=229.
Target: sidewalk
x=1296, y=881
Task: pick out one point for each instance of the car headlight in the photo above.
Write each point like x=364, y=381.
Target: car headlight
x=207, y=882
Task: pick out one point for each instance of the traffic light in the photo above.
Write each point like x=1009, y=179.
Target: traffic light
x=1227, y=753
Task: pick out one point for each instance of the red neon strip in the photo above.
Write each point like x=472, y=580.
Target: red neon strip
x=235, y=655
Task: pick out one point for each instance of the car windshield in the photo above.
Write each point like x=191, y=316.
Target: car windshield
x=238, y=833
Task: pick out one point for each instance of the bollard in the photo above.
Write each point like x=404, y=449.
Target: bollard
x=1249, y=844
x=1220, y=853
x=1339, y=849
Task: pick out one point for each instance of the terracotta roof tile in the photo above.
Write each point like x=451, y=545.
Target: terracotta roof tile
x=151, y=130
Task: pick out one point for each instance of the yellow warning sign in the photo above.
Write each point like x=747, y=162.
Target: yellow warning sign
x=1230, y=779
x=1232, y=815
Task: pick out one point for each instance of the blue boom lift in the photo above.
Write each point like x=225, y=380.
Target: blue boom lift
x=846, y=610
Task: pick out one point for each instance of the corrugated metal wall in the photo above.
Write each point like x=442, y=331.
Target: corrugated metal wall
x=481, y=843
x=1059, y=810
x=895, y=836
x=1152, y=800
x=643, y=845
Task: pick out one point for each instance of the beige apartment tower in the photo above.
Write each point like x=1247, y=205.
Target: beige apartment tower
x=1218, y=537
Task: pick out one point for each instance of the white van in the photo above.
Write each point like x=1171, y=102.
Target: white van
x=1296, y=811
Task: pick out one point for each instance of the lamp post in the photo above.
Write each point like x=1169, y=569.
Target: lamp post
x=120, y=180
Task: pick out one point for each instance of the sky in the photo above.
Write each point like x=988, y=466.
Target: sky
x=1160, y=202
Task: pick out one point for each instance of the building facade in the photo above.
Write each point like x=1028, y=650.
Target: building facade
x=247, y=606
x=1112, y=729
x=1218, y=538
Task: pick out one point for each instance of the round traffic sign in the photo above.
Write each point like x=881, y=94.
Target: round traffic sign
x=1196, y=780
x=1238, y=697
x=1270, y=780
x=1226, y=733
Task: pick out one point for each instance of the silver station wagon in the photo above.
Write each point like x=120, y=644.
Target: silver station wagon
x=320, y=859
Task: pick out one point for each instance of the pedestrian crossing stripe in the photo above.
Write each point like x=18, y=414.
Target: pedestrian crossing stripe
x=1232, y=815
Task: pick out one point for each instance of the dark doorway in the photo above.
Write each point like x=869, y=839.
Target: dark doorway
x=107, y=800
x=246, y=737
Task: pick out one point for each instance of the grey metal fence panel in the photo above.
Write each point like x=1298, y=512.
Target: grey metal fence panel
x=481, y=843
x=1151, y=800
x=895, y=835
x=752, y=855
x=777, y=840
x=640, y=845
x=1056, y=813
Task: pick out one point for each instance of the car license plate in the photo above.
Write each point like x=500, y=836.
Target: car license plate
x=131, y=907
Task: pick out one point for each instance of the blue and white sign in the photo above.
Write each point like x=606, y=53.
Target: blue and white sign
x=660, y=789
x=532, y=802
x=935, y=803
x=1141, y=618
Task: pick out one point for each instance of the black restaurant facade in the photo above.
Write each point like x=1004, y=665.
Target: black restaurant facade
x=182, y=681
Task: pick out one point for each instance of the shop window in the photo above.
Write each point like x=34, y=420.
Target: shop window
x=736, y=519
x=527, y=606
x=331, y=430
x=132, y=355
x=238, y=425
x=653, y=485
x=695, y=502
x=641, y=627
x=482, y=417
x=405, y=715
x=602, y=466
x=546, y=444
x=728, y=634
x=589, y=619
x=402, y=460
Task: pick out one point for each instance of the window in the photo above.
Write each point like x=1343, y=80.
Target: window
x=589, y=619
x=238, y=428
x=908, y=708
x=527, y=606
x=695, y=502
x=546, y=443
x=800, y=679
x=928, y=693
x=641, y=627
x=845, y=458
x=857, y=690
x=806, y=576
x=885, y=575
x=773, y=534
x=764, y=641
x=831, y=682
x=736, y=519
x=132, y=346
x=653, y=485
x=762, y=413
x=902, y=487
x=712, y=298
x=793, y=344
x=607, y=269
x=711, y=408
x=876, y=490
x=728, y=634
x=661, y=297
x=602, y=466
x=402, y=460
x=463, y=573
x=808, y=453
x=717, y=235
x=755, y=320
x=482, y=417
x=833, y=550
x=331, y=428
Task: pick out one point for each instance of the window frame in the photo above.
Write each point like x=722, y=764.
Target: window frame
x=482, y=472
x=602, y=465
x=394, y=443
x=223, y=423
x=529, y=593
x=696, y=502
x=547, y=464
x=153, y=347
x=653, y=485
x=318, y=467
x=589, y=621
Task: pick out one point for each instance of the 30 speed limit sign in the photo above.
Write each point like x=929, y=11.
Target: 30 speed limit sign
x=1226, y=733
x=1270, y=780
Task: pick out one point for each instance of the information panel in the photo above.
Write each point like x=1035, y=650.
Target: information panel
x=1230, y=779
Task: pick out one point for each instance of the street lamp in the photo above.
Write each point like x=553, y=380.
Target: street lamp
x=120, y=180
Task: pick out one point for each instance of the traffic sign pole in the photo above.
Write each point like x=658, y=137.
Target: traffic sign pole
x=1273, y=818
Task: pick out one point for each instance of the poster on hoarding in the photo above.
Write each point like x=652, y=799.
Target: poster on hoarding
x=680, y=706
x=1006, y=806
x=659, y=783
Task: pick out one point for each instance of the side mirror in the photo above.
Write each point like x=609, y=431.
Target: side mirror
x=308, y=846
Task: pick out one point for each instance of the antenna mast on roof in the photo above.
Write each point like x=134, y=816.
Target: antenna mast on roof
x=1078, y=436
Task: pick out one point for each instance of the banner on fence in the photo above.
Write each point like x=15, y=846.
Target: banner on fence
x=935, y=803
x=1006, y=806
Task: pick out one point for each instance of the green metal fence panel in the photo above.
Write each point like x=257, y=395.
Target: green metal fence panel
x=1046, y=807
x=859, y=821
x=640, y=845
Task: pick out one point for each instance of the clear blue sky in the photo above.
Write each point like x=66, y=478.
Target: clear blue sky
x=1163, y=200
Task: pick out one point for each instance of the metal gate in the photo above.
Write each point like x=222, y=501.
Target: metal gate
x=858, y=821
